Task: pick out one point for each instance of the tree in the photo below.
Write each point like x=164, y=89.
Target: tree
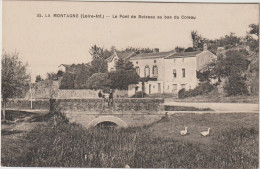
x=15, y=78
x=236, y=85
x=234, y=63
x=98, y=66
x=197, y=40
x=179, y=49
x=67, y=81
x=60, y=73
x=254, y=29
x=38, y=78
x=99, y=81
x=100, y=53
x=124, y=75
x=120, y=79
x=52, y=76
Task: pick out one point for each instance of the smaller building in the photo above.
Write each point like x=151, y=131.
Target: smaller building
x=112, y=60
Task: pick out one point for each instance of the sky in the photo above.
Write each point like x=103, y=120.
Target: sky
x=46, y=42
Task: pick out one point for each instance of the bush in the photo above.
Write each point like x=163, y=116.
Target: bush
x=203, y=88
x=236, y=86
x=139, y=95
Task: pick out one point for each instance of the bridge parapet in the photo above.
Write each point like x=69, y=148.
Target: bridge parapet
x=99, y=105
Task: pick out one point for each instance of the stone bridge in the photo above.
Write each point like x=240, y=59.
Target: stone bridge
x=124, y=112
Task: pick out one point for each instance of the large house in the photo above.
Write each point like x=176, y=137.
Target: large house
x=168, y=72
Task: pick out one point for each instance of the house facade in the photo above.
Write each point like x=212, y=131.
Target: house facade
x=167, y=72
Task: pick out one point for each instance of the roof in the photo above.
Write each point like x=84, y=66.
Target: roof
x=65, y=65
x=183, y=54
x=121, y=55
x=152, y=55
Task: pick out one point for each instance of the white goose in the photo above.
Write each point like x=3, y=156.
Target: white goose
x=184, y=132
x=205, y=133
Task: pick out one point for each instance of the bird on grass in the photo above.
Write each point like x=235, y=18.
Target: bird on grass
x=127, y=166
x=184, y=132
x=205, y=133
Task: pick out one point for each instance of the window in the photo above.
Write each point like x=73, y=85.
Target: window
x=183, y=72
x=155, y=70
x=174, y=73
x=154, y=61
x=183, y=86
x=146, y=71
x=174, y=88
x=137, y=69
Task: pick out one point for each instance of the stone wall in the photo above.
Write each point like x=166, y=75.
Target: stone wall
x=77, y=93
x=119, y=105
x=20, y=104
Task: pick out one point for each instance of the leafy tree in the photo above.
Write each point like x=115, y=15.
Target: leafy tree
x=60, y=73
x=100, y=53
x=179, y=49
x=189, y=49
x=234, y=63
x=99, y=81
x=122, y=78
x=254, y=29
x=77, y=77
x=138, y=50
x=236, y=85
x=124, y=75
x=51, y=76
x=197, y=40
x=98, y=66
x=15, y=79
x=67, y=82
x=38, y=78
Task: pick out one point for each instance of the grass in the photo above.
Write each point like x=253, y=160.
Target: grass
x=233, y=143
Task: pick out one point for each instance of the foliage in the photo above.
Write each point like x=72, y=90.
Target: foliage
x=203, y=75
x=124, y=75
x=64, y=144
x=60, y=73
x=138, y=50
x=139, y=94
x=98, y=66
x=179, y=49
x=189, y=49
x=51, y=76
x=76, y=77
x=236, y=85
x=100, y=53
x=197, y=40
x=254, y=29
x=202, y=88
x=38, y=78
x=120, y=79
x=15, y=79
x=234, y=63
x=99, y=81
x=67, y=81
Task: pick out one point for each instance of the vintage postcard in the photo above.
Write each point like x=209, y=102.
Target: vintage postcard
x=129, y=84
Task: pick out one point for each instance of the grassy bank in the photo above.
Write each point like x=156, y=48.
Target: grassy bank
x=159, y=145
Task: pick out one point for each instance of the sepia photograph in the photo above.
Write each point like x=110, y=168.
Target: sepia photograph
x=129, y=84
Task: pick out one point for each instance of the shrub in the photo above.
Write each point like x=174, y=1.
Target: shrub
x=236, y=85
x=139, y=95
x=203, y=88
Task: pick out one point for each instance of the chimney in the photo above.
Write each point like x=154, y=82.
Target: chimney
x=155, y=50
x=205, y=47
